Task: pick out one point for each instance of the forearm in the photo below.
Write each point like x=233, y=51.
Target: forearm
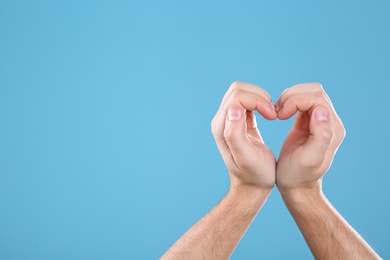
x=327, y=233
x=217, y=234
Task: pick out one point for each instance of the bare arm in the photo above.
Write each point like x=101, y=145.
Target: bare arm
x=251, y=167
x=304, y=159
x=217, y=234
x=326, y=232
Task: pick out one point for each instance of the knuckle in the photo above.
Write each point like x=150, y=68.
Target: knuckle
x=320, y=98
x=214, y=128
x=344, y=131
x=341, y=134
x=319, y=95
x=236, y=85
x=213, y=122
x=317, y=86
x=236, y=92
x=340, y=128
x=214, y=131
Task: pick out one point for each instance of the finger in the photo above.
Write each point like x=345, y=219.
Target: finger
x=251, y=126
x=235, y=135
x=302, y=88
x=315, y=149
x=338, y=137
x=241, y=86
x=249, y=87
x=303, y=102
x=248, y=101
x=306, y=103
x=255, y=141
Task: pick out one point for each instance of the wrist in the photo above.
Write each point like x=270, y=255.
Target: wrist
x=247, y=201
x=302, y=196
x=249, y=192
x=242, y=183
x=300, y=189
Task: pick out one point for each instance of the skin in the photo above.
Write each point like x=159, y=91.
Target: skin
x=305, y=157
x=251, y=167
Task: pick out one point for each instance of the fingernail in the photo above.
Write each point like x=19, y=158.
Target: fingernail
x=280, y=109
x=277, y=107
x=273, y=107
x=234, y=114
x=322, y=114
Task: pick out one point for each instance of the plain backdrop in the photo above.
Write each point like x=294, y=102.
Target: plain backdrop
x=105, y=109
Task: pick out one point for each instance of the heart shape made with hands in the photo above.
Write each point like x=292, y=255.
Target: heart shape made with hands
x=302, y=99
x=314, y=137
x=316, y=119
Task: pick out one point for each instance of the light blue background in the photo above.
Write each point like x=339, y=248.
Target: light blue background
x=105, y=110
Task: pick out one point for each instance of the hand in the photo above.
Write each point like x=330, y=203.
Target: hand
x=313, y=140
x=249, y=161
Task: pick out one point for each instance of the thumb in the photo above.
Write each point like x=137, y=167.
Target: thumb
x=321, y=136
x=235, y=133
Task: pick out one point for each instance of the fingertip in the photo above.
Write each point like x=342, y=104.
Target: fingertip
x=281, y=111
x=271, y=115
x=234, y=113
x=273, y=111
x=274, y=116
x=277, y=106
x=282, y=115
x=321, y=128
x=234, y=126
x=267, y=110
x=321, y=114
